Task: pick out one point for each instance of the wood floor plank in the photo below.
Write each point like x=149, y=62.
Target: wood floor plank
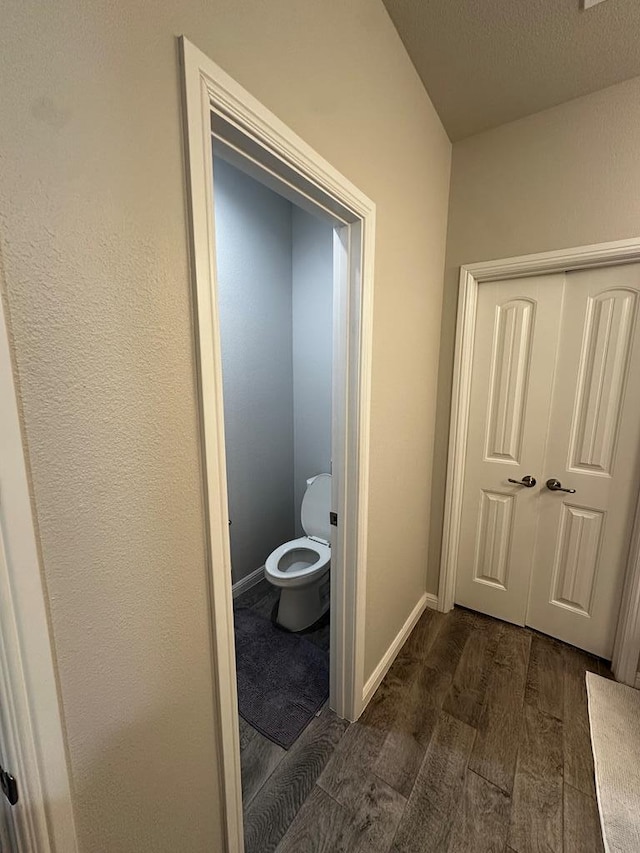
x=276, y=804
x=383, y=707
x=376, y=817
x=536, y=813
x=515, y=642
x=424, y=633
x=321, y=826
x=482, y=820
x=324, y=826
x=247, y=732
x=405, y=745
x=604, y=669
x=446, y=649
x=426, y=822
x=466, y=695
x=578, y=755
x=348, y=768
x=258, y=759
x=545, y=679
x=496, y=746
x=582, y=832
x=345, y=772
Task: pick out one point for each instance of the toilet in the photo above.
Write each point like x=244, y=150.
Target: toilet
x=301, y=567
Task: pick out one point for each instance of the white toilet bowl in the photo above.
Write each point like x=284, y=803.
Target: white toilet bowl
x=301, y=567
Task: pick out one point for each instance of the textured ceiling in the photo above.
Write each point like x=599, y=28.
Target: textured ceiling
x=486, y=62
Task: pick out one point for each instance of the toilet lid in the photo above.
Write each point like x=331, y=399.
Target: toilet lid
x=316, y=505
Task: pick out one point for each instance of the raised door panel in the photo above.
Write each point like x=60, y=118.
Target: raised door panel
x=576, y=562
x=594, y=448
x=516, y=331
x=509, y=379
x=495, y=529
x=608, y=336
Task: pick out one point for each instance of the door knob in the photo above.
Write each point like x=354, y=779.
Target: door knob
x=528, y=481
x=556, y=486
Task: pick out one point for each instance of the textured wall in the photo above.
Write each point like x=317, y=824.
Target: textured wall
x=94, y=241
x=569, y=176
x=254, y=258
x=312, y=349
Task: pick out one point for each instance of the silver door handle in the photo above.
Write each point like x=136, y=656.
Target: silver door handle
x=528, y=481
x=556, y=486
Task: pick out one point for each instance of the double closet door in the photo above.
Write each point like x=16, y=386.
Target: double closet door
x=553, y=452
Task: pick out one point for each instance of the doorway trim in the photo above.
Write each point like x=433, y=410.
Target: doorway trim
x=32, y=741
x=215, y=104
x=627, y=642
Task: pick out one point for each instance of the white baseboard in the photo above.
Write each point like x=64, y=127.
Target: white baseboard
x=433, y=602
x=247, y=582
x=388, y=658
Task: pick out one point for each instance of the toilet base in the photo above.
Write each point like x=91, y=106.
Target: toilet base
x=301, y=606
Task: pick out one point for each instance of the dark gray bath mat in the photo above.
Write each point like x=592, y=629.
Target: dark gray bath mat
x=283, y=679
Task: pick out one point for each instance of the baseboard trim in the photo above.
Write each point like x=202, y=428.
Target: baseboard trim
x=247, y=582
x=433, y=602
x=390, y=655
x=637, y=684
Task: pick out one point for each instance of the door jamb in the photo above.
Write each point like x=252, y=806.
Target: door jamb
x=248, y=127
x=32, y=739
x=627, y=643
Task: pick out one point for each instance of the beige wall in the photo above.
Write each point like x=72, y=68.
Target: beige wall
x=93, y=238
x=565, y=177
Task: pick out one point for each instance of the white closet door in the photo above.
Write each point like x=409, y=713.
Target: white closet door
x=516, y=338
x=594, y=448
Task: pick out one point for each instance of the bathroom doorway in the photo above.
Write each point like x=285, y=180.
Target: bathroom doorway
x=274, y=265
x=219, y=114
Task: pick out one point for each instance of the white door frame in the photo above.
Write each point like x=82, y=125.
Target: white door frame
x=627, y=643
x=213, y=101
x=32, y=745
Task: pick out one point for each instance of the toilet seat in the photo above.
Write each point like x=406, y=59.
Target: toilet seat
x=298, y=576
x=301, y=568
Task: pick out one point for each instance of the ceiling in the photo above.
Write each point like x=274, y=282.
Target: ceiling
x=486, y=62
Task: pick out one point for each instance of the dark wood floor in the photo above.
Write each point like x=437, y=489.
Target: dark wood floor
x=477, y=740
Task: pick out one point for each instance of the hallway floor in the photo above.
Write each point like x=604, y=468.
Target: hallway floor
x=477, y=740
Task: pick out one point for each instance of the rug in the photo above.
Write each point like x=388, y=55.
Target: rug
x=614, y=716
x=283, y=679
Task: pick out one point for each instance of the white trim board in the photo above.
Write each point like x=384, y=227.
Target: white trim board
x=427, y=600
x=245, y=583
x=626, y=649
x=217, y=108
x=433, y=601
x=627, y=644
x=32, y=745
